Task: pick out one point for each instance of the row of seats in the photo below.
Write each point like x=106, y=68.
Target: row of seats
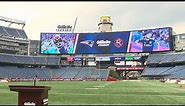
x=166, y=58
x=17, y=33
x=21, y=59
x=168, y=72
x=47, y=73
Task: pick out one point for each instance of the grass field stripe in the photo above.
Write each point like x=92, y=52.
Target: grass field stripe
x=131, y=92
x=163, y=86
x=115, y=94
x=99, y=86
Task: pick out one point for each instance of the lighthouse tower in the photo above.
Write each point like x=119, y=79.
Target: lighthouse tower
x=105, y=24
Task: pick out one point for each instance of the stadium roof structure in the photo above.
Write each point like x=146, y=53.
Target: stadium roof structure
x=11, y=21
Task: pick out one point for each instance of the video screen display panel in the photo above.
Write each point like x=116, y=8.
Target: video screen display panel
x=57, y=43
x=137, y=41
x=150, y=40
x=102, y=43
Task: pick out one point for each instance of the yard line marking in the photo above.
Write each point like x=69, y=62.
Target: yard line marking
x=91, y=88
x=99, y=86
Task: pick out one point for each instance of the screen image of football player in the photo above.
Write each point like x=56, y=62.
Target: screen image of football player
x=148, y=41
x=64, y=42
x=164, y=39
x=47, y=45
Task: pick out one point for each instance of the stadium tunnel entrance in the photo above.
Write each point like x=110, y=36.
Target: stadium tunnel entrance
x=129, y=72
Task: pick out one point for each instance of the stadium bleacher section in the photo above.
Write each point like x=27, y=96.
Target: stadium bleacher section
x=52, y=60
x=166, y=58
x=175, y=67
x=37, y=60
x=70, y=73
x=85, y=72
x=12, y=32
x=13, y=41
x=18, y=67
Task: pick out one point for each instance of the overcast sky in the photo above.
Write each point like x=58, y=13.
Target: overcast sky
x=46, y=16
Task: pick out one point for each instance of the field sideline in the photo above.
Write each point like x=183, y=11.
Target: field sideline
x=103, y=92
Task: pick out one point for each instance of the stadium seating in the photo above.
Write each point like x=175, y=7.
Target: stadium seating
x=52, y=60
x=2, y=31
x=154, y=58
x=22, y=33
x=166, y=58
x=57, y=73
x=180, y=58
x=7, y=58
x=85, y=72
x=95, y=72
x=103, y=74
x=169, y=58
x=21, y=59
x=148, y=71
x=12, y=32
x=71, y=72
x=155, y=71
x=25, y=59
x=39, y=60
x=174, y=70
x=47, y=73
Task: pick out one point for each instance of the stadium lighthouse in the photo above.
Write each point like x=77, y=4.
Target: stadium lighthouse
x=105, y=24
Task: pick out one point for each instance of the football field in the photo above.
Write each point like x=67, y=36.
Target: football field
x=102, y=92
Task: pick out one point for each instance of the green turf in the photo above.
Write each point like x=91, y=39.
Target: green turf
x=120, y=92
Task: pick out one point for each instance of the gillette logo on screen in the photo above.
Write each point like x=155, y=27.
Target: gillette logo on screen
x=103, y=43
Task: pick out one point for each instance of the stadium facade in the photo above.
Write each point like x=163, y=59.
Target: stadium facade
x=179, y=40
x=13, y=40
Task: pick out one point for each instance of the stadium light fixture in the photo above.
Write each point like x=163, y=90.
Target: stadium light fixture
x=12, y=20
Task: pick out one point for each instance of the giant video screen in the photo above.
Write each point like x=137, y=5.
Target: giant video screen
x=102, y=43
x=150, y=40
x=137, y=41
x=57, y=43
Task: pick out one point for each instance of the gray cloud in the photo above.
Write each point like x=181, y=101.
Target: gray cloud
x=43, y=16
x=127, y=16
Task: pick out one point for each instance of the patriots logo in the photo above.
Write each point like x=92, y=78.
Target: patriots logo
x=88, y=42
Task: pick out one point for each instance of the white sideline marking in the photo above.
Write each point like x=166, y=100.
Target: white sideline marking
x=91, y=88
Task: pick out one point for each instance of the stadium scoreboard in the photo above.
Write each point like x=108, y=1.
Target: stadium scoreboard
x=136, y=41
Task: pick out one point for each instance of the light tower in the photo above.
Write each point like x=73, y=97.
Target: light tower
x=105, y=24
